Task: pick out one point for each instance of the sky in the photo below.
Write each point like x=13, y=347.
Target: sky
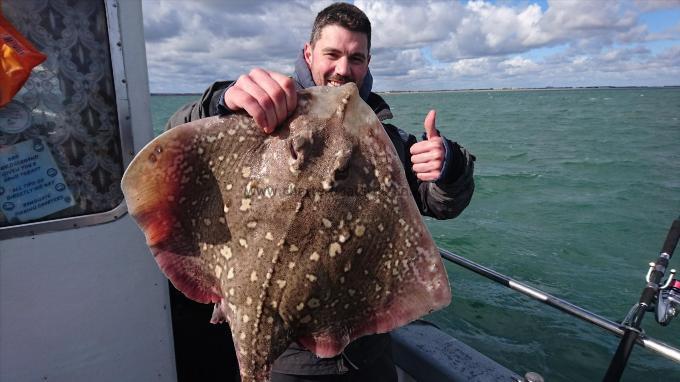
x=425, y=45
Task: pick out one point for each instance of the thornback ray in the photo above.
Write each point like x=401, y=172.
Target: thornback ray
x=307, y=234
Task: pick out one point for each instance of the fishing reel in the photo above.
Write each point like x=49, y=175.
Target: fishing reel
x=666, y=296
x=668, y=300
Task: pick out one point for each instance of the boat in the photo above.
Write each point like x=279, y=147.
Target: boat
x=80, y=296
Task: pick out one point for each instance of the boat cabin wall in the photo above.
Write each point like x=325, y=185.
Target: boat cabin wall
x=87, y=302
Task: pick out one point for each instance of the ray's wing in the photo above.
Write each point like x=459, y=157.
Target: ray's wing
x=172, y=191
x=205, y=195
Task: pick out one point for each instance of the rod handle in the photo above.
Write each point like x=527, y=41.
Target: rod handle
x=672, y=238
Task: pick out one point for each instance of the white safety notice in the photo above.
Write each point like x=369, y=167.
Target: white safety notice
x=31, y=185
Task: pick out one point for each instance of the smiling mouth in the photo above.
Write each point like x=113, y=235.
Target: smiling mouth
x=336, y=80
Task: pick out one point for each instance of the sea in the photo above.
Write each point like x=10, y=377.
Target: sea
x=575, y=190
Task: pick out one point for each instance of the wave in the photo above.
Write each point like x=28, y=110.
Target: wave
x=519, y=175
x=518, y=155
x=594, y=162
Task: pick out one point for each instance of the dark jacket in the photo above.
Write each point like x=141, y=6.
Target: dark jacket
x=444, y=198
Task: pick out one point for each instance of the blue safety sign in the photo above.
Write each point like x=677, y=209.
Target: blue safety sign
x=31, y=184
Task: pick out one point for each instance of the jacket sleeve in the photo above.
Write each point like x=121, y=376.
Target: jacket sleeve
x=449, y=195
x=207, y=106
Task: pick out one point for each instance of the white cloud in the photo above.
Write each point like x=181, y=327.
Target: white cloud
x=421, y=45
x=565, y=16
x=472, y=67
x=210, y=40
x=487, y=29
x=518, y=65
x=396, y=62
x=410, y=24
x=655, y=5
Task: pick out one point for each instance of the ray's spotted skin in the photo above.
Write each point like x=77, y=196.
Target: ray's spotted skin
x=308, y=234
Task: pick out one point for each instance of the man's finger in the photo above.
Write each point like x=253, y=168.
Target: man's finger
x=434, y=166
x=426, y=146
x=288, y=86
x=428, y=176
x=427, y=157
x=250, y=106
x=274, y=93
x=254, y=90
x=429, y=124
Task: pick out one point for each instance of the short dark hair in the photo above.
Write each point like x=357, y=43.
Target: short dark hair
x=345, y=15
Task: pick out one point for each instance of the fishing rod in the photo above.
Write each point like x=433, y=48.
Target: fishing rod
x=664, y=294
x=536, y=294
x=620, y=329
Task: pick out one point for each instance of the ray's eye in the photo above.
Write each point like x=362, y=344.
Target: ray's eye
x=342, y=165
x=300, y=147
x=342, y=171
x=293, y=152
x=297, y=148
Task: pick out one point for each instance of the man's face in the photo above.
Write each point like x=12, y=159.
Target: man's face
x=339, y=56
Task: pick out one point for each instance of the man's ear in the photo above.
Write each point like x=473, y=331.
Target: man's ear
x=308, y=54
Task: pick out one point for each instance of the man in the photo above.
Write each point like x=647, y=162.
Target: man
x=439, y=171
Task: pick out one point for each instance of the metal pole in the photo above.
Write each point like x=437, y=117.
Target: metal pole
x=534, y=293
x=655, y=346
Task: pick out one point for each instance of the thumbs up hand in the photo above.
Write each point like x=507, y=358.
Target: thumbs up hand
x=428, y=156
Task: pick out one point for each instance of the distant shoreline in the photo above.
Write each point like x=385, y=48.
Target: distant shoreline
x=529, y=89
x=482, y=90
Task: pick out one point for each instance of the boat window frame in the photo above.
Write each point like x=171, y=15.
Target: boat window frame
x=125, y=135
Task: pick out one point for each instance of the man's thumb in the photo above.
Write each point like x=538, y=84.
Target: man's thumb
x=429, y=124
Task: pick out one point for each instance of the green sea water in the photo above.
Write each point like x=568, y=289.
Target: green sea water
x=575, y=191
